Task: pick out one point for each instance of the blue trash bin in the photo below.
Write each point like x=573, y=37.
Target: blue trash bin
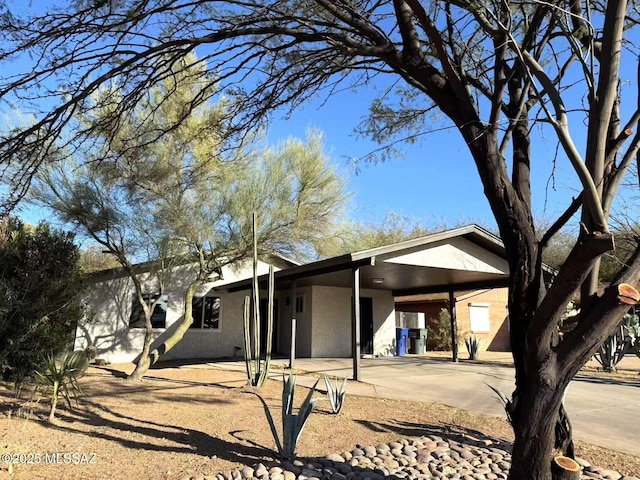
x=402, y=336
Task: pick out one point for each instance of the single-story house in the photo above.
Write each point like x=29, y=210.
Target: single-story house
x=338, y=307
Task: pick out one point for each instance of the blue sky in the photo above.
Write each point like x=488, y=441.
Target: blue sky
x=434, y=182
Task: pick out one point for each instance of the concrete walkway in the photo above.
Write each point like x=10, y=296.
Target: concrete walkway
x=602, y=412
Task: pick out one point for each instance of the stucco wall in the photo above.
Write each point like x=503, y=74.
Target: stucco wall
x=303, y=324
x=110, y=301
x=331, y=326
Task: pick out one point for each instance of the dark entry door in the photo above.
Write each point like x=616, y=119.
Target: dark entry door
x=263, y=325
x=366, y=325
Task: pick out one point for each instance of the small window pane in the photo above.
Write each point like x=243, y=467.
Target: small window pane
x=211, y=318
x=159, y=315
x=206, y=313
x=300, y=304
x=196, y=312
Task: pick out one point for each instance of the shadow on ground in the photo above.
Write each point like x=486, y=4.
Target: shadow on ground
x=134, y=433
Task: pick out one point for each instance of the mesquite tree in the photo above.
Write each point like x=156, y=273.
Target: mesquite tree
x=503, y=72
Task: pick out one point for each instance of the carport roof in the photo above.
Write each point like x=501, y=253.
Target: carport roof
x=463, y=258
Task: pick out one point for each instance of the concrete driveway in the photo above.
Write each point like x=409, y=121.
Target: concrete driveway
x=602, y=412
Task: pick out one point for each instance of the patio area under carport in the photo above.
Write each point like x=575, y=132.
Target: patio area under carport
x=460, y=259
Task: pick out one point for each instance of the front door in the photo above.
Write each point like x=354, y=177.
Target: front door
x=366, y=326
x=263, y=325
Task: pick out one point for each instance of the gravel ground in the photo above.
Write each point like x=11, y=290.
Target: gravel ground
x=195, y=421
x=426, y=458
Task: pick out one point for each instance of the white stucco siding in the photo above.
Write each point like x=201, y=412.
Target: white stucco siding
x=110, y=302
x=384, y=322
x=204, y=343
x=455, y=254
x=331, y=326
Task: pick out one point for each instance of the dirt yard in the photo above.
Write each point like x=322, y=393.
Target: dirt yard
x=198, y=420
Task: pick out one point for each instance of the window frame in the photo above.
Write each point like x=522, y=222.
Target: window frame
x=136, y=308
x=486, y=307
x=197, y=324
x=300, y=297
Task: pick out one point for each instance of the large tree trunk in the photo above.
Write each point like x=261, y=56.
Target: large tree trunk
x=534, y=425
x=143, y=363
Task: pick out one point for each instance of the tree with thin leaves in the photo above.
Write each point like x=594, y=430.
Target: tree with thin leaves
x=183, y=200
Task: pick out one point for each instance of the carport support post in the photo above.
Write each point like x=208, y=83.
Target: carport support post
x=454, y=327
x=355, y=322
x=292, y=296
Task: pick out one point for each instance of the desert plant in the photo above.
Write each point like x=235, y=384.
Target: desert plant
x=257, y=367
x=612, y=351
x=506, y=402
x=292, y=424
x=440, y=331
x=473, y=347
x=92, y=352
x=336, y=394
x=632, y=329
x=60, y=377
x=40, y=301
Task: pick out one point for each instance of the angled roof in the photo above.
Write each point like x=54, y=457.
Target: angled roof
x=277, y=260
x=463, y=258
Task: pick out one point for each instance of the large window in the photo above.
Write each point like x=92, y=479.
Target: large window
x=206, y=313
x=159, y=315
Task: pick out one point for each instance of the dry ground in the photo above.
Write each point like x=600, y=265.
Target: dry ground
x=191, y=420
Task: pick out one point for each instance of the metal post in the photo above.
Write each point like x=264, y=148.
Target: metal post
x=355, y=322
x=454, y=327
x=292, y=295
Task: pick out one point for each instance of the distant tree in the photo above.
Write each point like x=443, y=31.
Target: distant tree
x=352, y=236
x=40, y=301
x=95, y=259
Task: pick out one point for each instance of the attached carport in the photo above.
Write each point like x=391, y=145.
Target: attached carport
x=461, y=259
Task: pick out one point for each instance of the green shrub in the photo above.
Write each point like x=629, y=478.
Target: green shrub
x=440, y=330
x=40, y=303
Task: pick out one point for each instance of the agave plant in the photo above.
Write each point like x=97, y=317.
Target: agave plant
x=336, y=394
x=473, y=347
x=60, y=377
x=508, y=404
x=612, y=351
x=632, y=328
x=292, y=423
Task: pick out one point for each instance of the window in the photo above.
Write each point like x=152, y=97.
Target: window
x=159, y=315
x=206, y=313
x=300, y=304
x=479, y=317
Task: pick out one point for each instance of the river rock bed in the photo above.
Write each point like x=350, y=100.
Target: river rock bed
x=425, y=458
